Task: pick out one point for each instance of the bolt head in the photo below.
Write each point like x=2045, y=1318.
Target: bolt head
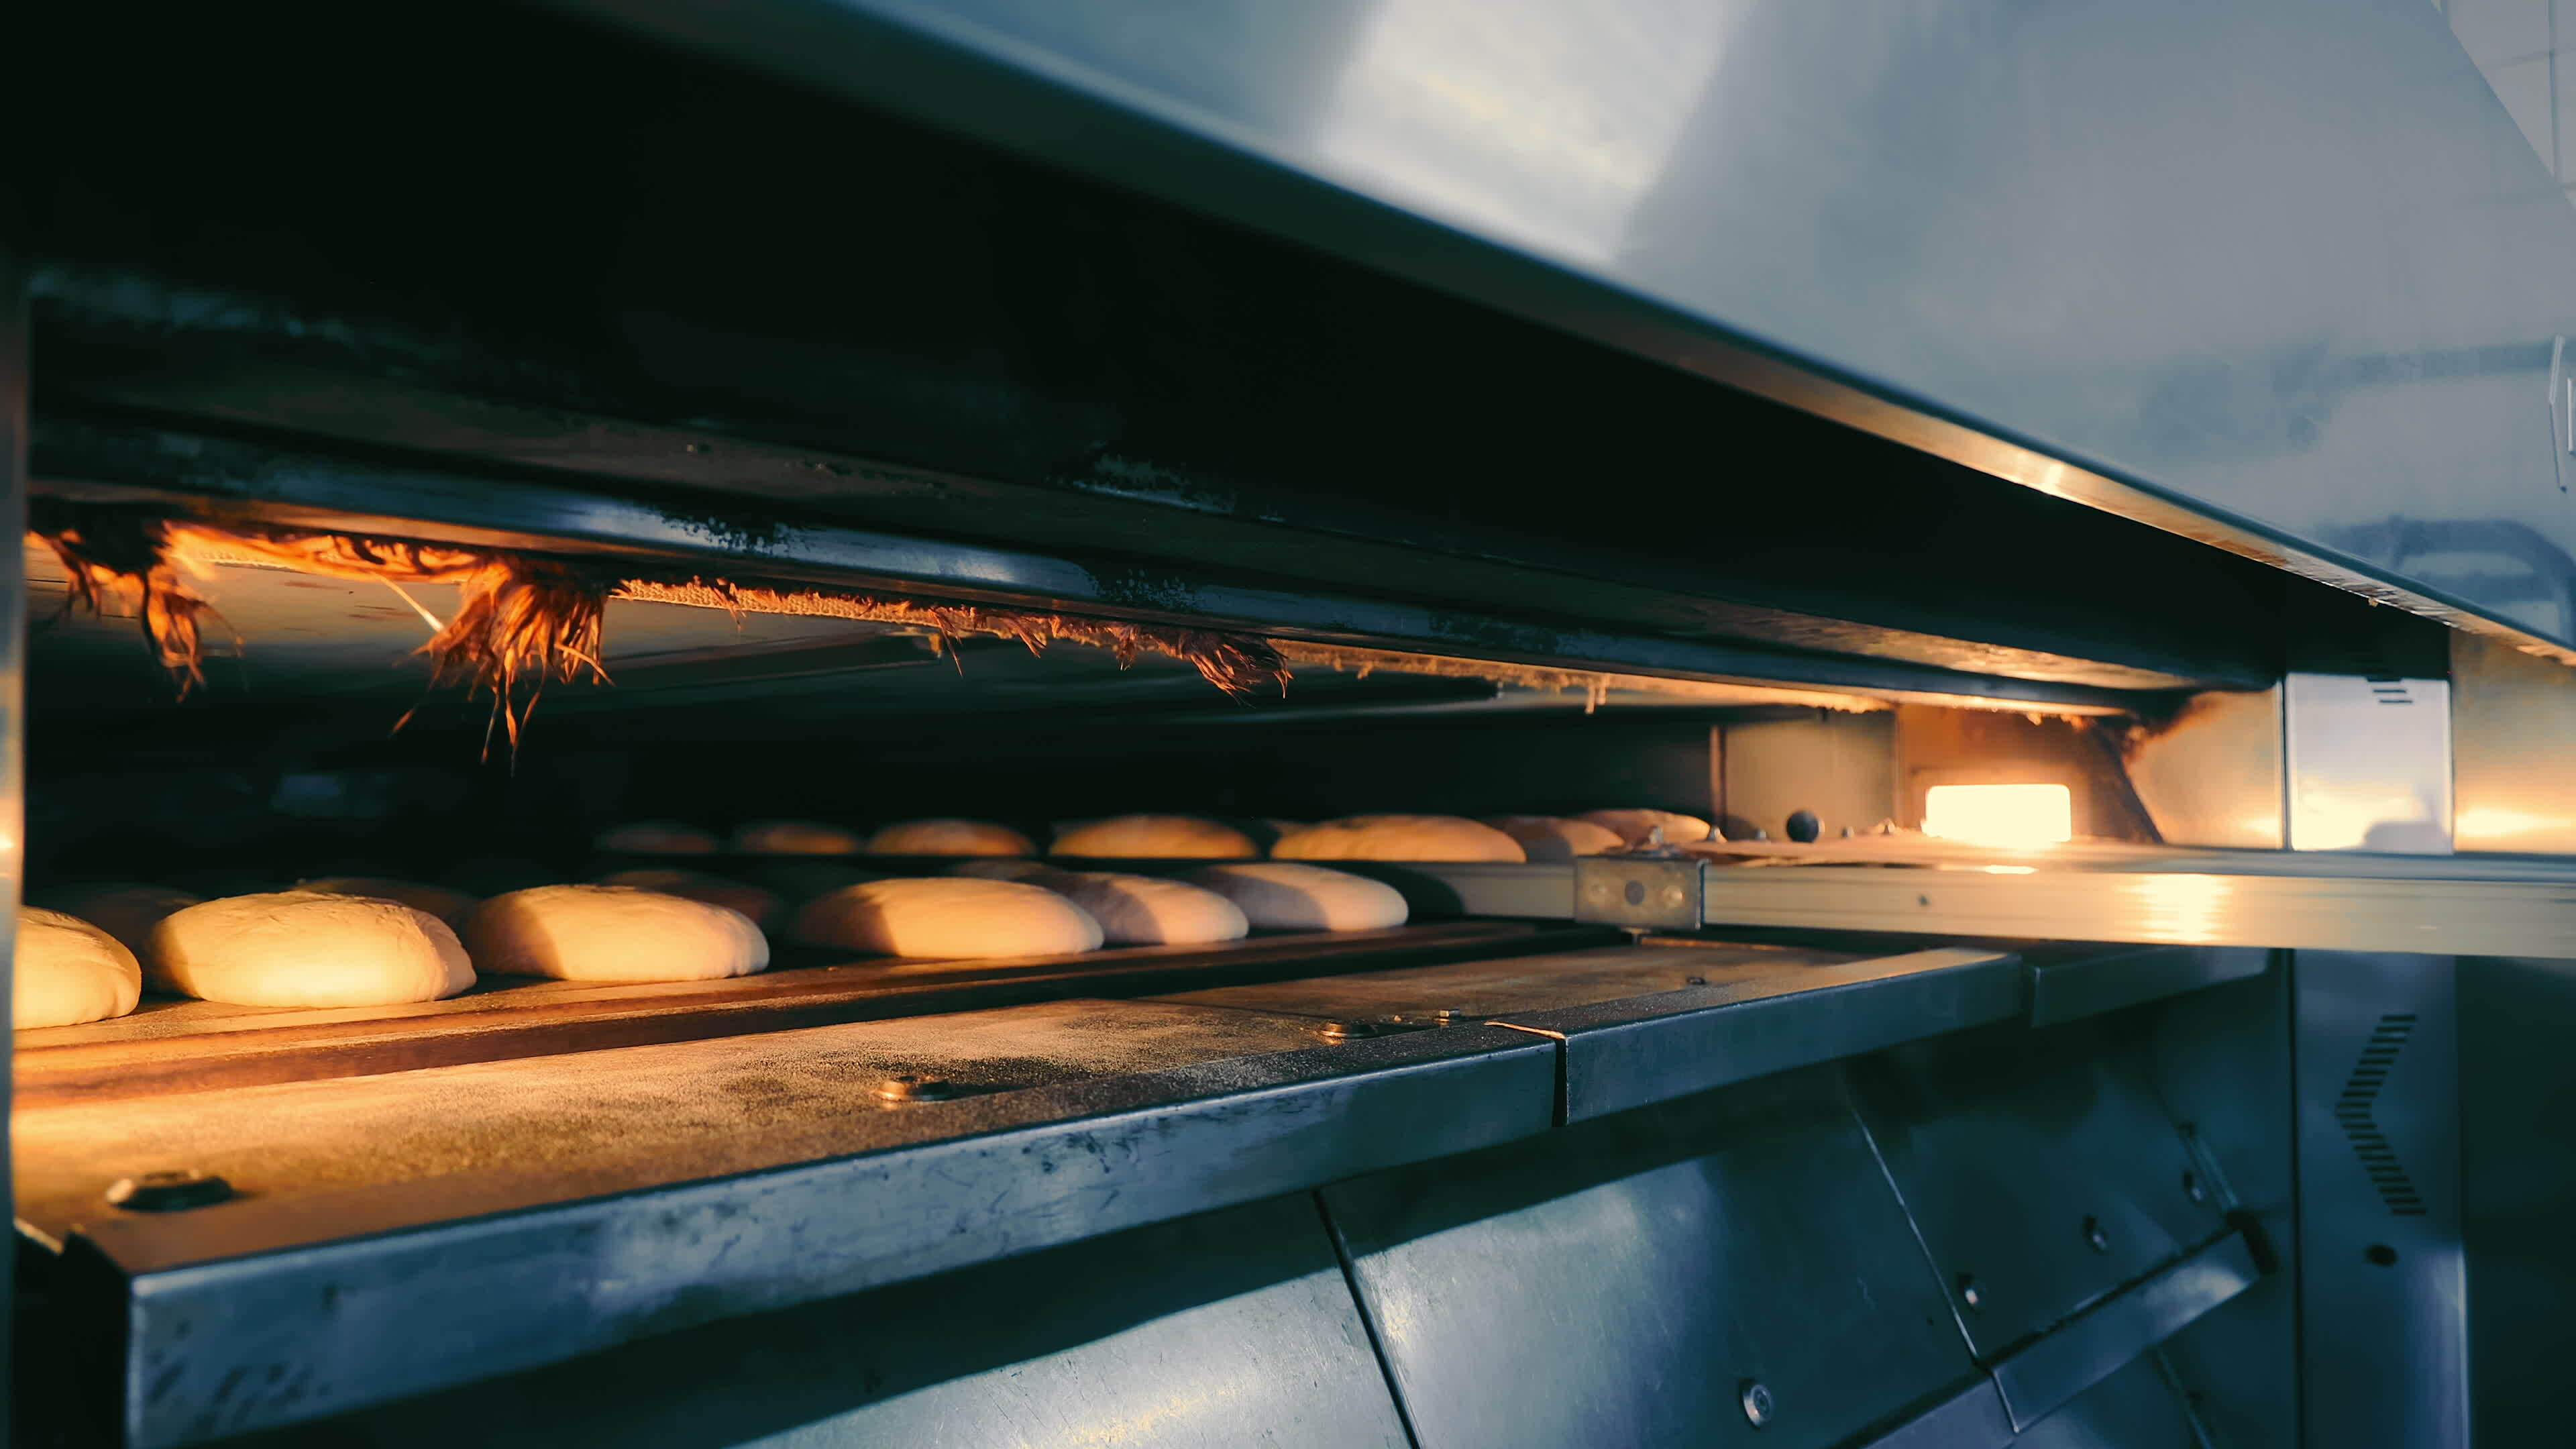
x=168, y=1191
x=1757, y=1403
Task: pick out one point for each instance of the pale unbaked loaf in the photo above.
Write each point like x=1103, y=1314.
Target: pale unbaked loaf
x=796, y=837
x=1279, y=896
x=451, y=906
x=762, y=907
x=657, y=837
x=1638, y=827
x=1156, y=837
x=1398, y=837
x=950, y=837
x=1146, y=910
x=67, y=971
x=612, y=933
x=303, y=948
x=1553, y=837
x=122, y=909
x=949, y=916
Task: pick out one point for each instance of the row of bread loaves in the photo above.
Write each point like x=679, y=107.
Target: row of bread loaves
x=1190, y=837
x=343, y=942
x=364, y=941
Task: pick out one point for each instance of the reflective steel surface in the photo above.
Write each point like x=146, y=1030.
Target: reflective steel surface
x=1628, y=1281
x=2044, y=1176
x=1231, y=1328
x=403, y=1233
x=2368, y=763
x=2284, y=276
x=2512, y=719
x=2382, y=1274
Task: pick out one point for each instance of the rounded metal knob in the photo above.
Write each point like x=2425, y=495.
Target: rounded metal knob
x=1804, y=827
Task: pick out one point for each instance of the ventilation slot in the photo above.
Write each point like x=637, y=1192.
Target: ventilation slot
x=2360, y=1092
x=2389, y=691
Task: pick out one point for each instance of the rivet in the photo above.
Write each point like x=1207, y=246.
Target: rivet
x=1757, y=1403
x=1672, y=895
x=1971, y=1294
x=2094, y=1237
x=2194, y=1188
x=168, y=1192
x=1636, y=893
x=915, y=1089
x=1694, y=981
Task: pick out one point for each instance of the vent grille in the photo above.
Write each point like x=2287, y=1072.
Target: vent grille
x=2360, y=1093
x=2389, y=691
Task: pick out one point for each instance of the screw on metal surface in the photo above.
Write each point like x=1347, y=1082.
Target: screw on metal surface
x=1757, y=1403
x=2194, y=1188
x=168, y=1192
x=1971, y=1294
x=915, y=1089
x=1636, y=893
x=2094, y=1237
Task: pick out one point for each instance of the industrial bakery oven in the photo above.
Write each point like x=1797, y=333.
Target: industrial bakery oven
x=2110, y=993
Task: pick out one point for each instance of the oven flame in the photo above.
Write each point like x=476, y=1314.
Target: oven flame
x=2018, y=815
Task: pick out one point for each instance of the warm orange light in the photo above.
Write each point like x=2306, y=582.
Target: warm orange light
x=2000, y=814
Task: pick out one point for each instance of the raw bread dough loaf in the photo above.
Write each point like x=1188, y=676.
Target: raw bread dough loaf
x=1277, y=896
x=796, y=837
x=122, y=909
x=1553, y=837
x=612, y=933
x=949, y=916
x=303, y=948
x=657, y=837
x=762, y=907
x=950, y=837
x=1637, y=827
x=1156, y=837
x=68, y=971
x=449, y=906
x=1146, y=910
x=1398, y=837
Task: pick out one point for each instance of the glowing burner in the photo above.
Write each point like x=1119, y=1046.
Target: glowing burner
x=2000, y=814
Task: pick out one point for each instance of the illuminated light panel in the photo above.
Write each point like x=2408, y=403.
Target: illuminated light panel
x=2000, y=814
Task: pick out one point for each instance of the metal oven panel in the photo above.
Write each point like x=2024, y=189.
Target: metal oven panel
x=2045, y=1177
x=1727, y=1270
x=1232, y=1327
x=2369, y=763
x=2382, y=1277
x=398, y=1234
x=1625, y=1054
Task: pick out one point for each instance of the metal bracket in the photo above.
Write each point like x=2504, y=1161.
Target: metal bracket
x=1612, y=890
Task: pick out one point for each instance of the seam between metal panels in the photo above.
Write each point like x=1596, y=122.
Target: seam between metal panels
x=1562, y=1109
x=1949, y=1298
x=1368, y=1321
